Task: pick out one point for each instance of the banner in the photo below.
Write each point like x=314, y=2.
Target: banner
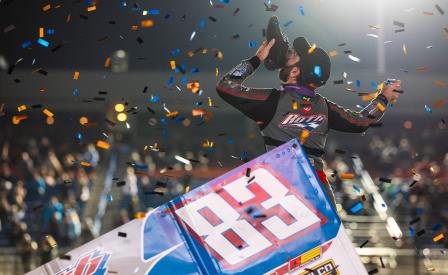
x=268, y=216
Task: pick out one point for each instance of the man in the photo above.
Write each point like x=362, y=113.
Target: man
x=296, y=110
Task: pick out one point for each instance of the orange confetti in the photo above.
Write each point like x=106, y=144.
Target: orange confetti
x=41, y=32
x=190, y=53
x=17, y=119
x=295, y=106
x=107, y=62
x=139, y=215
x=428, y=13
x=438, y=104
x=46, y=7
x=347, y=176
x=313, y=47
x=69, y=17
x=333, y=53
x=170, y=114
x=194, y=86
x=198, y=112
x=91, y=8
x=147, y=23
x=134, y=27
x=76, y=75
x=440, y=83
x=304, y=135
x=422, y=68
x=21, y=108
x=47, y=112
x=85, y=163
x=380, y=107
x=103, y=145
x=438, y=237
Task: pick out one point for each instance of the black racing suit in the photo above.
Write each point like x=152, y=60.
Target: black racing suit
x=283, y=114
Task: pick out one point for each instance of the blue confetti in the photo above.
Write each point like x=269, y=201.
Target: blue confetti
x=428, y=109
x=175, y=52
x=356, y=208
x=26, y=44
x=179, y=119
x=109, y=197
x=50, y=31
x=202, y=23
x=199, y=103
x=225, y=1
x=78, y=136
x=184, y=81
x=411, y=232
x=167, y=16
x=317, y=71
x=252, y=44
x=163, y=121
x=356, y=188
x=302, y=11
x=154, y=12
x=154, y=98
x=140, y=166
x=287, y=23
x=373, y=84
x=75, y=92
x=170, y=81
x=194, y=70
x=43, y=42
x=358, y=83
x=437, y=227
x=229, y=140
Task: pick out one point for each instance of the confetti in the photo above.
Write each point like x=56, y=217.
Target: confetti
x=356, y=208
x=373, y=271
x=252, y=44
x=76, y=75
x=333, y=53
x=438, y=237
x=347, y=176
x=147, y=23
x=122, y=234
x=364, y=243
x=439, y=9
x=428, y=109
x=85, y=163
x=354, y=58
x=103, y=145
x=416, y=220
x=301, y=10
x=43, y=42
x=51, y=241
x=304, y=135
x=421, y=232
x=399, y=24
x=405, y=51
x=47, y=112
x=21, y=108
x=381, y=107
x=46, y=7
x=91, y=8
x=313, y=47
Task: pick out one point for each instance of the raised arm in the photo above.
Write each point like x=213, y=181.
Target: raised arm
x=345, y=120
x=257, y=103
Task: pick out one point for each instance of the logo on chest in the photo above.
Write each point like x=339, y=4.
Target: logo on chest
x=308, y=122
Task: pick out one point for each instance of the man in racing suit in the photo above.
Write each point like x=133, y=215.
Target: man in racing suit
x=287, y=112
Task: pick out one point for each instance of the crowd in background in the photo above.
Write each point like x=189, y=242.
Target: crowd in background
x=43, y=194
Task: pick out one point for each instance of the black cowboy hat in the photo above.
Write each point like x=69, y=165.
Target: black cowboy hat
x=277, y=55
x=315, y=65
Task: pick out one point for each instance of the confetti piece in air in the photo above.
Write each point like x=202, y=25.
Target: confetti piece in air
x=428, y=109
x=173, y=64
x=91, y=8
x=398, y=24
x=122, y=234
x=21, y=108
x=333, y=53
x=288, y=23
x=439, y=9
x=354, y=58
x=18, y=119
x=103, y=145
x=301, y=10
x=85, y=163
x=43, y=42
x=373, y=271
x=313, y=47
x=405, y=50
x=440, y=83
x=76, y=75
x=183, y=160
x=41, y=32
x=421, y=232
x=356, y=208
x=347, y=176
x=438, y=237
x=46, y=7
x=372, y=35
x=364, y=243
x=252, y=44
x=295, y=105
x=147, y=23
x=187, y=188
x=304, y=135
x=47, y=112
x=51, y=241
x=192, y=36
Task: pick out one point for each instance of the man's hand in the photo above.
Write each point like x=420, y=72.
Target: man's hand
x=389, y=91
x=264, y=49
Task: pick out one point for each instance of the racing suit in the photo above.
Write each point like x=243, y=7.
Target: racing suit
x=284, y=113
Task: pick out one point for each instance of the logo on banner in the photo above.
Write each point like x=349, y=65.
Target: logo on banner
x=90, y=263
x=244, y=218
x=301, y=260
x=325, y=268
x=308, y=122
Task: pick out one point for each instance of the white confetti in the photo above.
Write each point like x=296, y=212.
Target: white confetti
x=128, y=126
x=354, y=58
x=372, y=35
x=181, y=159
x=409, y=10
x=388, y=41
x=429, y=47
x=344, y=75
x=192, y=36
